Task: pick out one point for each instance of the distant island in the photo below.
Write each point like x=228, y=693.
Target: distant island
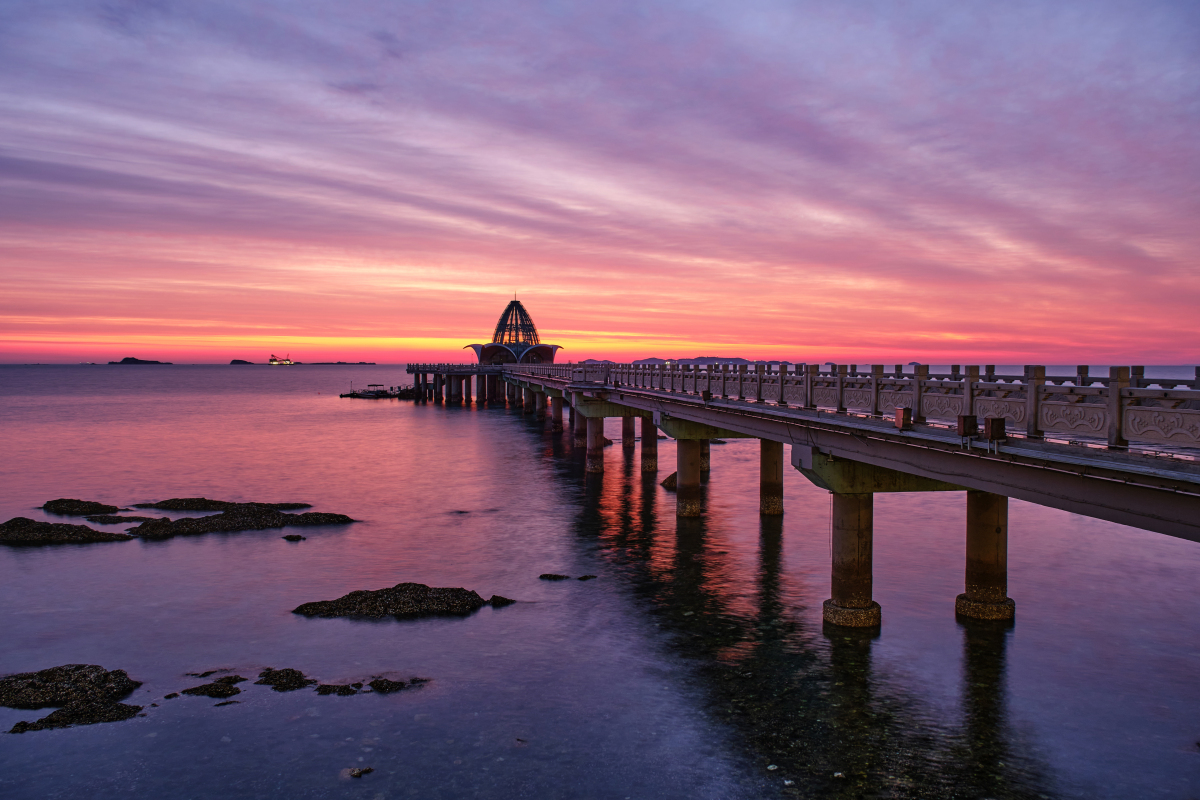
x=341, y=363
x=132, y=360
x=240, y=361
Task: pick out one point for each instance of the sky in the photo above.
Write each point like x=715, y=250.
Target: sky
x=870, y=182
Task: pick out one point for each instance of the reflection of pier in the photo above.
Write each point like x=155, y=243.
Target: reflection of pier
x=843, y=440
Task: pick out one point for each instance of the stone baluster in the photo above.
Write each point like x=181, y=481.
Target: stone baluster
x=811, y=372
x=1035, y=379
x=741, y=381
x=760, y=372
x=1118, y=379
x=969, y=381
x=920, y=375
x=840, y=388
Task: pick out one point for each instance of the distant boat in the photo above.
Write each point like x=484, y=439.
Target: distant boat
x=276, y=361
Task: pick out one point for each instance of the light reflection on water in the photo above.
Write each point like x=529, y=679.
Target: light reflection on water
x=696, y=660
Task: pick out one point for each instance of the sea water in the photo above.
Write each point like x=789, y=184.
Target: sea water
x=695, y=665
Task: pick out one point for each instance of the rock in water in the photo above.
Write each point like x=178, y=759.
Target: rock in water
x=386, y=686
x=204, y=504
x=587, y=577
x=215, y=690
x=86, y=694
x=553, y=576
x=341, y=689
x=402, y=600
x=499, y=602
x=358, y=773
x=284, y=680
x=68, y=507
x=295, y=537
x=25, y=531
x=254, y=518
x=116, y=519
x=670, y=482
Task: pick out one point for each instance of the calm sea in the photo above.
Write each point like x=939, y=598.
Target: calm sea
x=694, y=666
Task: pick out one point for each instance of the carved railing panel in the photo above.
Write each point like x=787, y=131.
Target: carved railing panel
x=793, y=392
x=1073, y=417
x=891, y=399
x=1012, y=409
x=942, y=406
x=1173, y=426
x=858, y=399
x=770, y=389
x=825, y=396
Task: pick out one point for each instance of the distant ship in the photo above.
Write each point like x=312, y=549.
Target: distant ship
x=276, y=361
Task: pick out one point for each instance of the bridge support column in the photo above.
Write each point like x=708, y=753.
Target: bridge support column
x=491, y=389
x=770, y=478
x=705, y=458
x=649, y=446
x=510, y=393
x=987, y=559
x=850, y=603
x=580, y=428
x=689, y=494
x=439, y=386
x=526, y=401
x=571, y=418
x=556, y=421
x=456, y=389
x=539, y=404
x=595, y=445
x=628, y=432
x=467, y=389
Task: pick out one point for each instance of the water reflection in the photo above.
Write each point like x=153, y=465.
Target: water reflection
x=804, y=702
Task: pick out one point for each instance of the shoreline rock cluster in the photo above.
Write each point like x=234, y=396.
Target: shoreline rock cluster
x=84, y=694
x=404, y=600
x=231, y=518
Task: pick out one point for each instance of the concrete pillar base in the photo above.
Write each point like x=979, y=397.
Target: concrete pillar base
x=975, y=609
x=689, y=504
x=594, y=462
x=649, y=463
x=869, y=617
x=771, y=506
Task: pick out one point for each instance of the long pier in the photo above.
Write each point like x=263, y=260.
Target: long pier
x=1120, y=447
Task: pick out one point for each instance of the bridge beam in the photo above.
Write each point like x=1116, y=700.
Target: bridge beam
x=986, y=595
x=850, y=586
x=649, y=445
x=594, y=461
x=685, y=429
x=851, y=477
x=689, y=494
x=770, y=478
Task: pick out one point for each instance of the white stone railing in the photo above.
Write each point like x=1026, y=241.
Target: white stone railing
x=1118, y=409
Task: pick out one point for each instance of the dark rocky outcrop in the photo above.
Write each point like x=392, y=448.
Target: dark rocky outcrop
x=70, y=507
x=204, y=504
x=116, y=519
x=553, y=576
x=499, y=602
x=401, y=600
x=240, y=361
x=85, y=694
x=586, y=577
x=358, y=772
x=256, y=518
x=25, y=531
x=132, y=360
x=387, y=686
x=295, y=537
x=283, y=680
x=671, y=482
x=216, y=690
x=341, y=689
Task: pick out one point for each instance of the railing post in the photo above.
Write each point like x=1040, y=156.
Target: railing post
x=841, y=385
x=1081, y=375
x=1035, y=379
x=783, y=375
x=760, y=371
x=969, y=381
x=811, y=371
x=741, y=395
x=1136, y=376
x=989, y=373
x=920, y=375
x=876, y=378
x=1118, y=379
x=725, y=381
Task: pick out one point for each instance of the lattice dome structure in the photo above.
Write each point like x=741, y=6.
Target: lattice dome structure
x=515, y=340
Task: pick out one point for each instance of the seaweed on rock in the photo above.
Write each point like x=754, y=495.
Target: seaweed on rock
x=70, y=507
x=85, y=694
x=401, y=600
x=257, y=518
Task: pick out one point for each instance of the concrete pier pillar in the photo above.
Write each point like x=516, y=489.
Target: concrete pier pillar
x=986, y=595
x=556, y=422
x=689, y=494
x=539, y=405
x=491, y=389
x=467, y=390
x=526, y=401
x=770, y=478
x=595, y=445
x=705, y=458
x=850, y=603
x=628, y=432
x=649, y=446
x=580, y=429
x=571, y=418
x=456, y=389
x=510, y=393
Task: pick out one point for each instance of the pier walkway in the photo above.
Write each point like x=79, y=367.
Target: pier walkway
x=1119, y=447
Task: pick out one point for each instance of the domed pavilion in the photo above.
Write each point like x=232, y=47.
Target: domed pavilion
x=515, y=340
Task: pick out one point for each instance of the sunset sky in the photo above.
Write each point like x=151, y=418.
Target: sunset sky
x=999, y=182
